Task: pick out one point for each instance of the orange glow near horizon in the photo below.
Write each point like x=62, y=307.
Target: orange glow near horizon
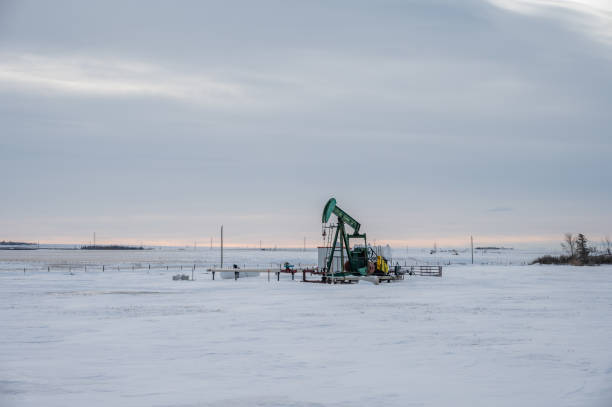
x=451, y=241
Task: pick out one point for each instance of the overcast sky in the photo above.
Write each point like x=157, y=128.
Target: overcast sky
x=158, y=121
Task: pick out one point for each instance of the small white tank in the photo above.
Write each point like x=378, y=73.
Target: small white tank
x=323, y=253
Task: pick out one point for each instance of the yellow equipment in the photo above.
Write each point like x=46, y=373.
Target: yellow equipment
x=381, y=265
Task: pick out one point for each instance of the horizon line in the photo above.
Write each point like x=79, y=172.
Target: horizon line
x=452, y=242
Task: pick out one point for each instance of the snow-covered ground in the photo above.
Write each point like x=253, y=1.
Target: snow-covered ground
x=482, y=335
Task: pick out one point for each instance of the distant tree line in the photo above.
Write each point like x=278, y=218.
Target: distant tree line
x=11, y=243
x=579, y=252
x=111, y=247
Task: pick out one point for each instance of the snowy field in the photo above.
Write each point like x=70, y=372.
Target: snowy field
x=70, y=259
x=482, y=335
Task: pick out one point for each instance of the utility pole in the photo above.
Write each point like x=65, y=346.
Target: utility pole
x=221, y=246
x=94, y=239
x=472, y=244
x=211, y=243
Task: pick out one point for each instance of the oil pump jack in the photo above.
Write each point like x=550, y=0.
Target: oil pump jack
x=361, y=260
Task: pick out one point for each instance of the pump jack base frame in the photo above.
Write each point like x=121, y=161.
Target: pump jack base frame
x=350, y=279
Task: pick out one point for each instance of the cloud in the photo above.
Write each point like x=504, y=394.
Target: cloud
x=591, y=16
x=500, y=209
x=81, y=75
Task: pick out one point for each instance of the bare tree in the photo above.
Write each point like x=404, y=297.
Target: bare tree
x=569, y=244
x=607, y=245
